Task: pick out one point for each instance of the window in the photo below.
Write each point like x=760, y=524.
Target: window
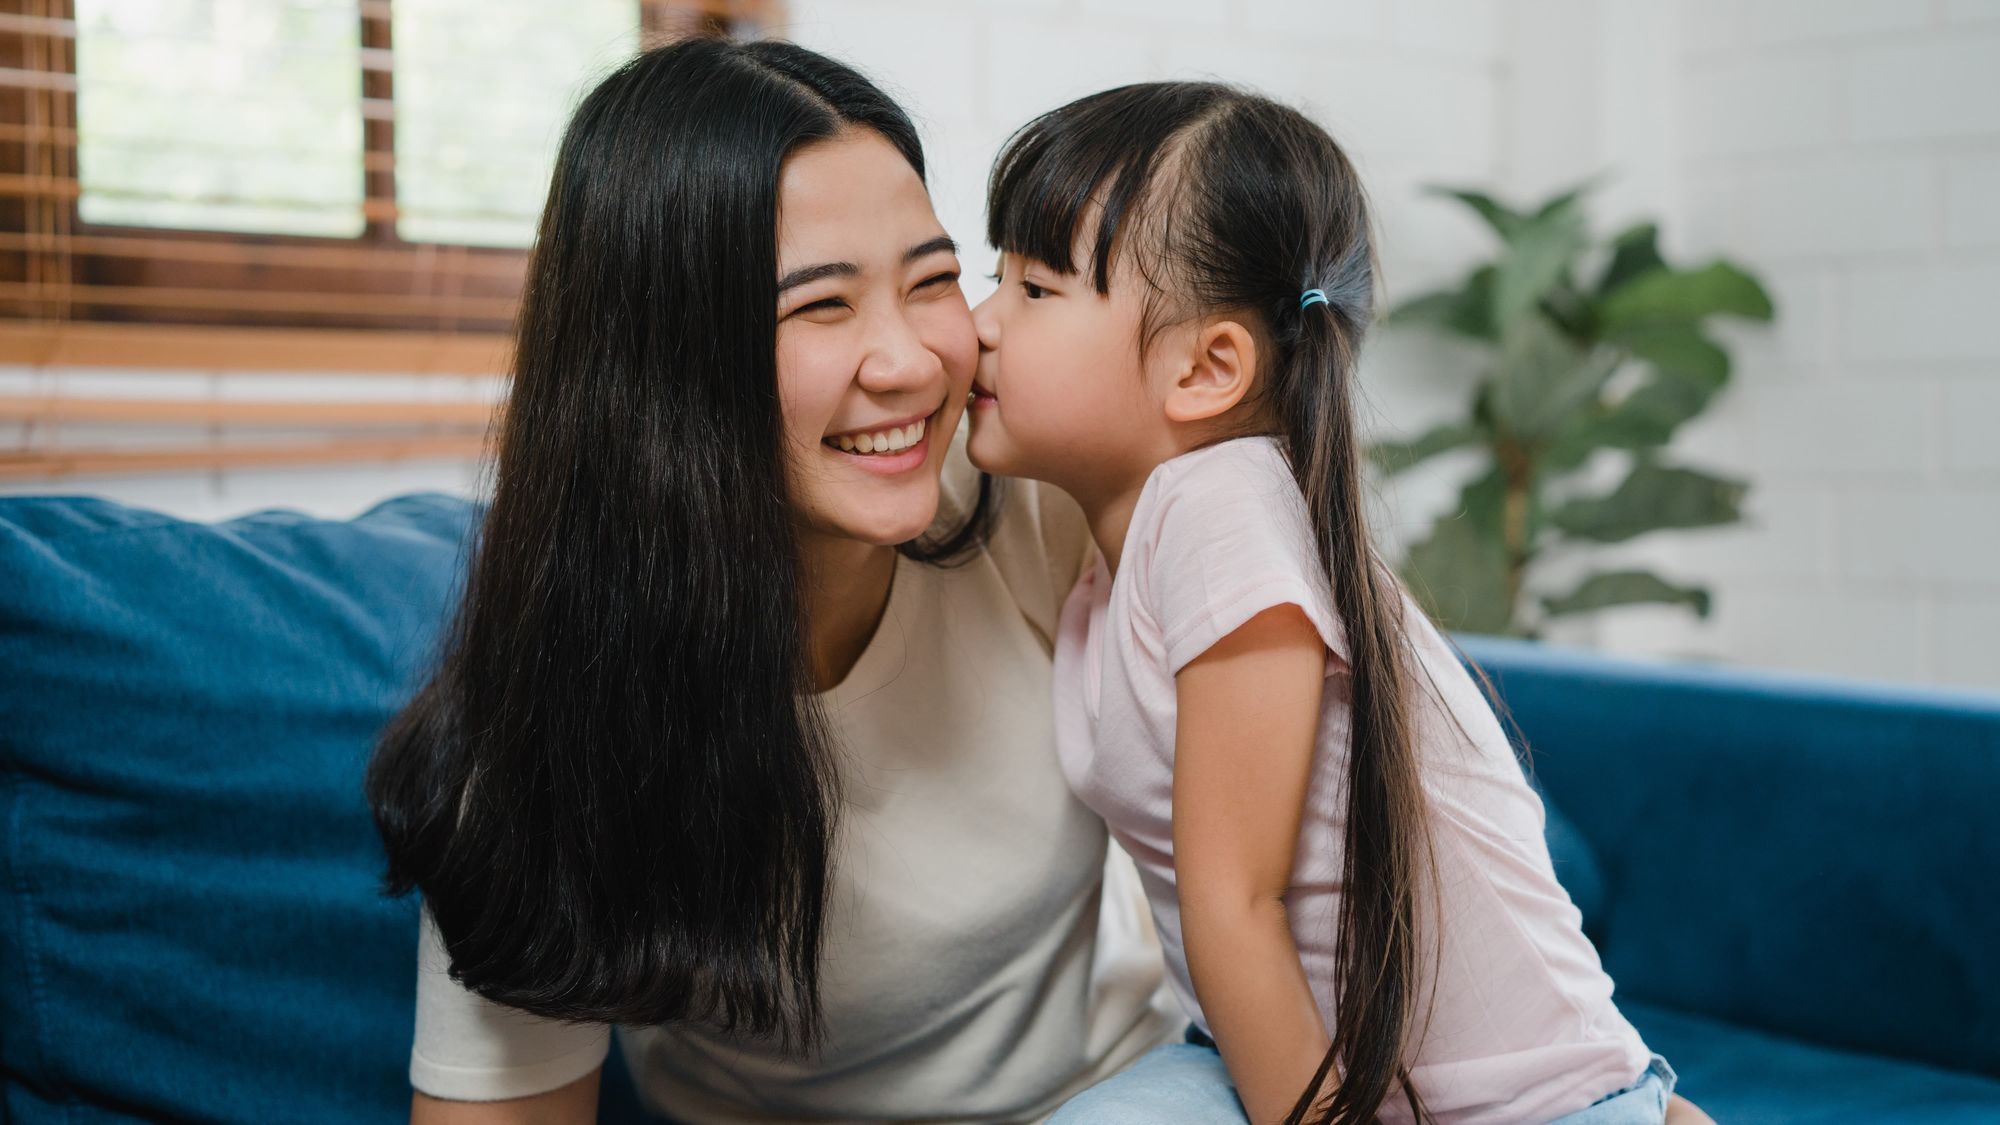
x=221, y=115
x=366, y=167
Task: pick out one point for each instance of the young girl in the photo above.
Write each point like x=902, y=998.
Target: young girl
x=1344, y=860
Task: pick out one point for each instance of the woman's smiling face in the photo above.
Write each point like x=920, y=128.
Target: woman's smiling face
x=875, y=346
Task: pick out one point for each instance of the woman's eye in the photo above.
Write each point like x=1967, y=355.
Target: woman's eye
x=828, y=304
x=945, y=278
x=1034, y=292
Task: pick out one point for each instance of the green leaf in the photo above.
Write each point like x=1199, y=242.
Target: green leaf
x=1571, y=310
x=1459, y=575
x=1394, y=457
x=1635, y=251
x=1467, y=310
x=1435, y=307
x=1645, y=419
x=1685, y=296
x=1566, y=198
x=1502, y=218
x=1653, y=498
x=1537, y=259
x=1650, y=415
x=1483, y=500
x=1544, y=379
x=1679, y=350
x=1626, y=587
x=1687, y=371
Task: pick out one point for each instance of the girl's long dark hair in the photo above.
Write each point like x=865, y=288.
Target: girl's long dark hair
x=1230, y=203
x=614, y=791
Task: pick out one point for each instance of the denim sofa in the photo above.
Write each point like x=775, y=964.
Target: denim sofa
x=1792, y=881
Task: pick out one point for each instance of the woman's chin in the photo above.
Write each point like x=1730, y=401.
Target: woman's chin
x=896, y=524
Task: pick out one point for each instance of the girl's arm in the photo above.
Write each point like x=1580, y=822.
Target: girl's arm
x=1243, y=756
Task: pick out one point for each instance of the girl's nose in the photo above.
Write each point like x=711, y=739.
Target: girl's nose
x=987, y=322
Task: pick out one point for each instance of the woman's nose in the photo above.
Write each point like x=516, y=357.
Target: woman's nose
x=898, y=359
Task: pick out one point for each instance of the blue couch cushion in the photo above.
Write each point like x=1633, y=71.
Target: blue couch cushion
x=191, y=927
x=1744, y=1077
x=1808, y=857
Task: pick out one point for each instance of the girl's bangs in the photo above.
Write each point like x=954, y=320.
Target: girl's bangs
x=1101, y=150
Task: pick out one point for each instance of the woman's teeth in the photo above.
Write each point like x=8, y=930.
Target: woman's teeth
x=885, y=441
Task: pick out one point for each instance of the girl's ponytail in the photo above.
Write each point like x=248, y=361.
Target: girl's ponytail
x=1385, y=846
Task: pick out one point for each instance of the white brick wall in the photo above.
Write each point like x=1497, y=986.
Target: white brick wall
x=1415, y=90
x=1850, y=153
x=1847, y=150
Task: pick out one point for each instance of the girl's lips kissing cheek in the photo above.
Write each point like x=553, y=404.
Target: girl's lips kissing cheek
x=982, y=397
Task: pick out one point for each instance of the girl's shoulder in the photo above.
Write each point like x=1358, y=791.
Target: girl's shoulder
x=1233, y=471
x=1219, y=535
x=1227, y=499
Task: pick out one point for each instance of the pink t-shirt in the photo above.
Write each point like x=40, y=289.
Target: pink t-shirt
x=1523, y=1027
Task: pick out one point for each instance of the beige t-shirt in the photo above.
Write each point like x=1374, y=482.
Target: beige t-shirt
x=973, y=971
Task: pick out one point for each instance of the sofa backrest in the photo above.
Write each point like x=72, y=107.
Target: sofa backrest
x=1808, y=856
x=191, y=926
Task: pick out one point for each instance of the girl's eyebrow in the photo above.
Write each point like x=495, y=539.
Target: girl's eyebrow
x=806, y=275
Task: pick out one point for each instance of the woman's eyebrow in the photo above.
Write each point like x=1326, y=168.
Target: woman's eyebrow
x=806, y=275
x=942, y=242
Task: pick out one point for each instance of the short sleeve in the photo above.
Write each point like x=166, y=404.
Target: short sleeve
x=1041, y=541
x=470, y=1049
x=1222, y=535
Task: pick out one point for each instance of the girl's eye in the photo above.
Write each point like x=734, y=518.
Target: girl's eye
x=1034, y=292
x=993, y=277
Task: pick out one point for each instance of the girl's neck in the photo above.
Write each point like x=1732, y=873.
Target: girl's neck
x=846, y=584
x=1110, y=516
x=1109, y=504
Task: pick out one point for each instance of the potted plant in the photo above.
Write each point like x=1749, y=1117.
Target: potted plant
x=1615, y=357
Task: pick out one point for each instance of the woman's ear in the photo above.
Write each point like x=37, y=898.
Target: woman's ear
x=1216, y=373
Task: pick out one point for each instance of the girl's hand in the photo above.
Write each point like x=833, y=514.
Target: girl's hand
x=1681, y=1111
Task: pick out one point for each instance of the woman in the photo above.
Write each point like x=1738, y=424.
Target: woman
x=738, y=739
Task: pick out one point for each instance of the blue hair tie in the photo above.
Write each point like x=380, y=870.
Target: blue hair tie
x=1312, y=297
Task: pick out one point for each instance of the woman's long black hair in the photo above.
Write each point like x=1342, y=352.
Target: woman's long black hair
x=614, y=790
x=1230, y=203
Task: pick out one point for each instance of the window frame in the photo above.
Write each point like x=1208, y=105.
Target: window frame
x=73, y=292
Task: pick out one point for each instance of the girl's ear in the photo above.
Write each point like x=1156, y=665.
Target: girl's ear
x=1215, y=374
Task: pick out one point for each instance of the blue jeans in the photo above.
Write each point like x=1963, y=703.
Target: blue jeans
x=1642, y=1103
x=1186, y=1084
x=1178, y=1084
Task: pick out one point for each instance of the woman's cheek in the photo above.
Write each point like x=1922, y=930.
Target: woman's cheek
x=949, y=334
x=813, y=375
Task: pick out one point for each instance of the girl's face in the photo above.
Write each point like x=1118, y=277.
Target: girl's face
x=875, y=347
x=1062, y=393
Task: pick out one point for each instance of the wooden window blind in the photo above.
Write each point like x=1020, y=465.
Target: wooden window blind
x=290, y=184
